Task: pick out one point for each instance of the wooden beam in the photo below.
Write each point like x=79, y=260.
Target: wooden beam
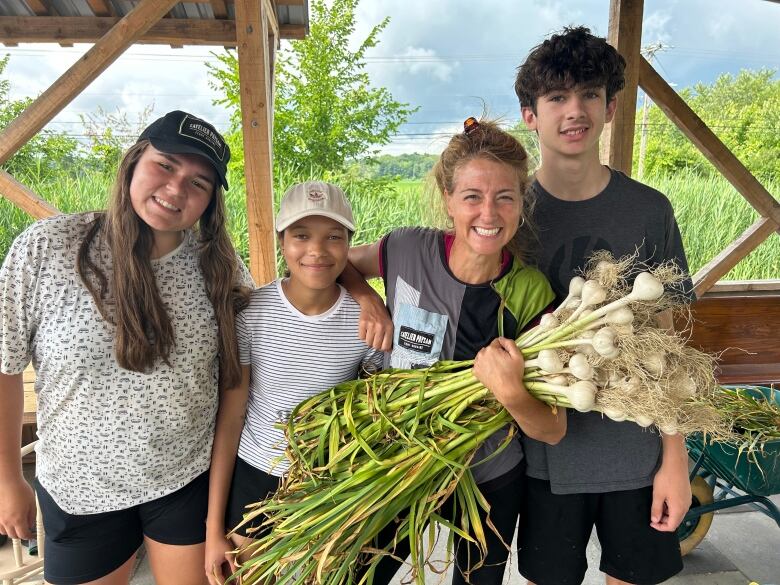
x=101, y=7
x=705, y=140
x=38, y=7
x=254, y=73
x=625, y=34
x=277, y=2
x=746, y=286
x=24, y=198
x=292, y=31
x=716, y=268
x=90, y=29
x=219, y=8
x=80, y=75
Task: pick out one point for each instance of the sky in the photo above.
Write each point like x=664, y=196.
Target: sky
x=450, y=58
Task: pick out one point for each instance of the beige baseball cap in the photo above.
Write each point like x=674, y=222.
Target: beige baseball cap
x=314, y=198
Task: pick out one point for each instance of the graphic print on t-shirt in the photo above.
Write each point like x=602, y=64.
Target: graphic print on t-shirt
x=568, y=258
x=418, y=341
x=419, y=334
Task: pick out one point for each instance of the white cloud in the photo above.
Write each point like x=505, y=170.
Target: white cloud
x=654, y=27
x=145, y=75
x=450, y=57
x=722, y=25
x=424, y=61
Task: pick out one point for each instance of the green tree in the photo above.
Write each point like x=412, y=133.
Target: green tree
x=326, y=112
x=45, y=153
x=404, y=166
x=743, y=111
x=109, y=134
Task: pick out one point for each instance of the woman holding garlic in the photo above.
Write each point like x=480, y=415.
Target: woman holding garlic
x=451, y=293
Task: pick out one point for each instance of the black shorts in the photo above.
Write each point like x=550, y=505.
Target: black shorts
x=250, y=485
x=555, y=529
x=85, y=547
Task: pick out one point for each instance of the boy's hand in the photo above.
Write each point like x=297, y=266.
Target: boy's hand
x=671, y=486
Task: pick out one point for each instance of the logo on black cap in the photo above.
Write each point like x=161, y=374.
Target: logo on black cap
x=197, y=129
x=180, y=132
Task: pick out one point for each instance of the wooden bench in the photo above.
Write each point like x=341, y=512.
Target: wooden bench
x=740, y=321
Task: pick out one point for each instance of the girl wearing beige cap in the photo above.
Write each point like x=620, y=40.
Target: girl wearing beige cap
x=297, y=337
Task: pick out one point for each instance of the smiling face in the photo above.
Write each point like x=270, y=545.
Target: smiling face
x=485, y=206
x=315, y=249
x=170, y=192
x=569, y=121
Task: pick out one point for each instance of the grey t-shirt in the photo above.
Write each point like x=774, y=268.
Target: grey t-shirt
x=438, y=317
x=598, y=454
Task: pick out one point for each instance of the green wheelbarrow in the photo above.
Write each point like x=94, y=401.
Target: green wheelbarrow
x=722, y=477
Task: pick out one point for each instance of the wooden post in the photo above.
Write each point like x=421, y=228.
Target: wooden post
x=81, y=74
x=254, y=78
x=625, y=34
x=271, y=20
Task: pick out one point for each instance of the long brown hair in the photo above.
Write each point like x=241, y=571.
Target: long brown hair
x=128, y=297
x=486, y=140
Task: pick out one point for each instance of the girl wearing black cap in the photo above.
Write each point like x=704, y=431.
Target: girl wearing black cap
x=128, y=316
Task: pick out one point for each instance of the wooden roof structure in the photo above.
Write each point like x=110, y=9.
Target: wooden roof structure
x=625, y=33
x=255, y=28
x=745, y=319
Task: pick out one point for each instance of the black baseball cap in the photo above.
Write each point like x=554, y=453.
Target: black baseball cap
x=178, y=132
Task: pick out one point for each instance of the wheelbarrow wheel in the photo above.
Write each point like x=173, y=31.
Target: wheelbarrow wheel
x=692, y=532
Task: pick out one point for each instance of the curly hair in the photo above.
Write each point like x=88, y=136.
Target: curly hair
x=488, y=141
x=568, y=59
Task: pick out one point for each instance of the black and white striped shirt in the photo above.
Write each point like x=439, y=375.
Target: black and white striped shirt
x=292, y=357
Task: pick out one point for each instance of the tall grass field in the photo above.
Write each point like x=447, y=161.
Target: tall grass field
x=711, y=214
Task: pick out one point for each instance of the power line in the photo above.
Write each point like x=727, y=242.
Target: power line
x=396, y=58
x=766, y=130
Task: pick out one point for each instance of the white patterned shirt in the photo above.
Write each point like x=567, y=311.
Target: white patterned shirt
x=110, y=438
x=293, y=356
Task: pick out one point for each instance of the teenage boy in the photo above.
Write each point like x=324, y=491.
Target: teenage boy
x=628, y=482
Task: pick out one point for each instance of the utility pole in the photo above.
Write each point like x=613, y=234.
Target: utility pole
x=648, y=52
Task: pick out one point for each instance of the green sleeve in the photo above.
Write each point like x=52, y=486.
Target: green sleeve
x=525, y=292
